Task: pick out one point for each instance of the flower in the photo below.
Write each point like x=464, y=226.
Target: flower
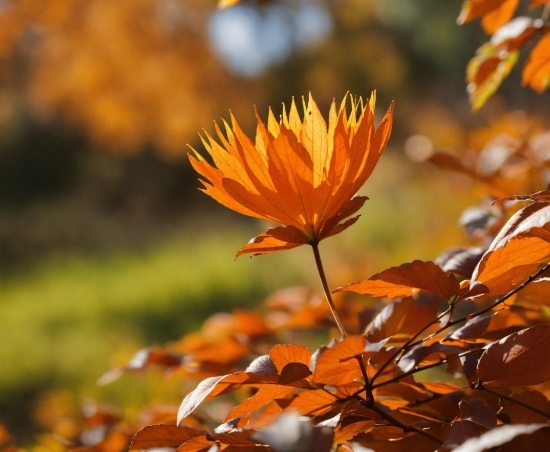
x=297, y=173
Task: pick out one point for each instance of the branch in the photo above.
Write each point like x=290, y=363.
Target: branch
x=449, y=324
x=479, y=386
x=405, y=428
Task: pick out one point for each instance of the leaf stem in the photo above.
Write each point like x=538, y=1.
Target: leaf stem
x=408, y=343
x=321, y=271
x=368, y=387
x=480, y=387
x=426, y=367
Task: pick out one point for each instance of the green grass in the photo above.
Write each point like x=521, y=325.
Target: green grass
x=71, y=316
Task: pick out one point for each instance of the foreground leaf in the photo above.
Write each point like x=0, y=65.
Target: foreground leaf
x=520, y=359
x=163, y=436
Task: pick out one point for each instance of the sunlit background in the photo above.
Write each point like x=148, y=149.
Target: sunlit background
x=107, y=246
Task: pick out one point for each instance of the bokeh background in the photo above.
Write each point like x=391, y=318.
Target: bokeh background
x=107, y=246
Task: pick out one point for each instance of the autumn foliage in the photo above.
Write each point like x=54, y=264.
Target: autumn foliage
x=450, y=355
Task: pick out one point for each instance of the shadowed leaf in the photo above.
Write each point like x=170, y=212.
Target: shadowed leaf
x=520, y=359
x=162, y=436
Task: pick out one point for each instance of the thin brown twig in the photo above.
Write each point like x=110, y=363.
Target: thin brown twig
x=480, y=387
x=323, y=277
x=426, y=367
x=407, y=344
x=405, y=428
x=451, y=323
x=368, y=388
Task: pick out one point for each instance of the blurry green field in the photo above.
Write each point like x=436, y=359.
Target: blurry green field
x=65, y=322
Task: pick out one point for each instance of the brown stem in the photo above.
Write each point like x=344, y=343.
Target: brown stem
x=407, y=344
x=420, y=369
x=405, y=428
x=368, y=387
x=480, y=387
x=321, y=271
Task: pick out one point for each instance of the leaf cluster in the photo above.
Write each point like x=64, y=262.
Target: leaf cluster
x=510, y=35
x=455, y=360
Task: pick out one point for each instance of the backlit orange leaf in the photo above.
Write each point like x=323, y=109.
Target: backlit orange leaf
x=300, y=174
x=214, y=386
x=472, y=9
x=494, y=60
x=536, y=72
x=282, y=355
x=496, y=18
x=338, y=365
x=314, y=403
x=520, y=359
x=258, y=400
x=505, y=268
x=537, y=292
x=406, y=280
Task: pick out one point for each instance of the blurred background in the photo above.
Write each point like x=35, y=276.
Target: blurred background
x=107, y=246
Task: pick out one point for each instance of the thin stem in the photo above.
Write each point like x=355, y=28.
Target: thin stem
x=408, y=343
x=449, y=324
x=512, y=400
x=368, y=388
x=420, y=369
x=405, y=428
x=321, y=271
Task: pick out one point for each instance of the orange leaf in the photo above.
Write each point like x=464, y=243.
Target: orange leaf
x=162, y=436
x=197, y=444
x=520, y=359
x=536, y=72
x=403, y=317
x=338, y=365
x=313, y=403
x=494, y=60
x=496, y=18
x=471, y=9
x=537, y=292
x=503, y=269
x=282, y=355
x=262, y=397
x=214, y=386
x=406, y=280
x=302, y=175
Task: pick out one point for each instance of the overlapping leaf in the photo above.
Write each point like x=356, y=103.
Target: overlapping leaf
x=406, y=280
